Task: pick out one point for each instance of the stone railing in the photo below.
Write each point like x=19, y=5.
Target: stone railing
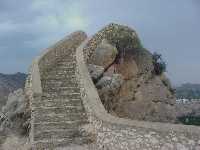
x=115, y=133
x=43, y=63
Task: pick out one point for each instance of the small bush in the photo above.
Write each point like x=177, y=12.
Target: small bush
x=159, y=64
x=190, y=120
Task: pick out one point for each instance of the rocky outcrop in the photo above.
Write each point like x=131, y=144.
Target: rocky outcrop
x=141, y=94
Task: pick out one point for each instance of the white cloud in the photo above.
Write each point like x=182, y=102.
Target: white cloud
x=60, y=15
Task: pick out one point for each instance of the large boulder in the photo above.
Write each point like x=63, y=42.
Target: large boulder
x=95, y=71
x=128, y=68
x=151, y=101
x=105, y=54
x=108, y=88
x=140, y=94
x=122, y=37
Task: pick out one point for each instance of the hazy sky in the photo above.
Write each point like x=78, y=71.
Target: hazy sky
x=171, y=27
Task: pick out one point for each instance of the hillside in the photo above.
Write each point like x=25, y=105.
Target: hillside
x=10, y=83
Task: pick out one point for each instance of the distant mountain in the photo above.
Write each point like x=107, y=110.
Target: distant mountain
x=188, y=91
x=10, y=83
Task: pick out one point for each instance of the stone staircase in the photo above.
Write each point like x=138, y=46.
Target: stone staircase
x=59, y=114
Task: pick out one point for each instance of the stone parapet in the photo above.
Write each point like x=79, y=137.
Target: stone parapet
x=115, y=133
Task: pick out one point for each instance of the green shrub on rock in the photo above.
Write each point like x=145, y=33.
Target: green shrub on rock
x=159, y=64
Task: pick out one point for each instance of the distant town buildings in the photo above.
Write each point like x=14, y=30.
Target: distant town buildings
x=187, y=101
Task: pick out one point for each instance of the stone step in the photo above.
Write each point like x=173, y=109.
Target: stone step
x=63, y=63
x=66, y=67
x=57, y=89
x=58, y=134
x=71, y=63
x=59, y=83
x=59, y=72
x=55, y=96
x=59, y=143
x=65, y=95
x=59, y=125
x=56, y=102
x=67, y=57
x=58, y=110
x=61, y=90
x=63, y=69
x=52, y=97
x=58, y=77
x=68, y=79
x=66, y=61
x=59, y=118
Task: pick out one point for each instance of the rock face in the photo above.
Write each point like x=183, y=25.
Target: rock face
x=104, y=54
x=95, y=71
x=108, y=88
x=128, y=86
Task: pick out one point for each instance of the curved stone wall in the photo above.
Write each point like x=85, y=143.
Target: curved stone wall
x=119, y=134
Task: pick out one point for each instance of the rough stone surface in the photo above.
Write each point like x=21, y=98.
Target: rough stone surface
x=108, y=88
x=104, y=54
x=115, y=35
x=154, y=99
x=95, y=71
